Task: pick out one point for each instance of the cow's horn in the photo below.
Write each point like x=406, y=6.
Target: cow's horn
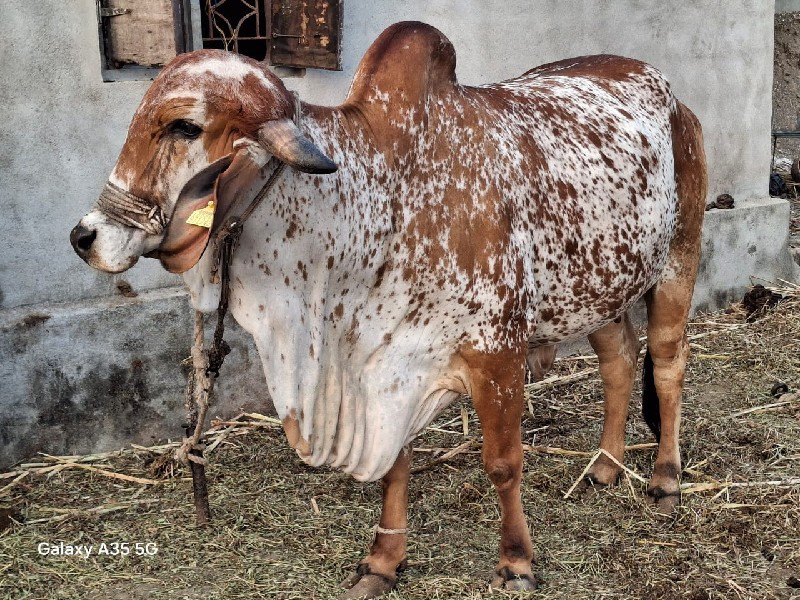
x=284, y=140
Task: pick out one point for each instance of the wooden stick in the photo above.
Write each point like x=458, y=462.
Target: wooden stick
x=579, y=357
x=261, y=417
x=791, y=398
x=564, y=452
x=621, y=466
x=98, y=510
x=630, y=487
x=693, y=488
x=440, y=430
x=703, y=356
x=582, y=475
x=656, y=543
x=156, y=449
x=14, y=482
x=218, y=440
x=557, y=380
x=446, y=456
x=230, y=425
x=556, y=451
x=104, y=472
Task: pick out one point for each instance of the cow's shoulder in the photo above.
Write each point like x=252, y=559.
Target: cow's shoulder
x=406, y=64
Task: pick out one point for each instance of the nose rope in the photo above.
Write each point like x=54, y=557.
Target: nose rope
x=128, y=209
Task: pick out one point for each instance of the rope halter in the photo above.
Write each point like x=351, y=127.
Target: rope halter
x=125, y=208
x=128, y=209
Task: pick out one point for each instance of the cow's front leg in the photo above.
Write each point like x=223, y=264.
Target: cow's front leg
x=497, y=389
x=376, y=575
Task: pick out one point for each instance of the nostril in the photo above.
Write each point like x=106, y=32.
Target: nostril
x=82, y=239
x=85, y=241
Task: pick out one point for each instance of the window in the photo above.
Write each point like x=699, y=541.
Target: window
x=307, y=33
x=237, y=25
x=140, y=36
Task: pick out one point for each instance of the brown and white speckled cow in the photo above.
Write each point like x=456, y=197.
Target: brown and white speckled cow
x=450, y=241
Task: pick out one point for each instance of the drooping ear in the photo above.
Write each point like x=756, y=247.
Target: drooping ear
x=285, y=141
x=223, y=181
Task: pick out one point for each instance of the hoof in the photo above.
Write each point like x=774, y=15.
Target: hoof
x=590, y=485
x=663, y=502
x=506, y=579
x=604, y=473
x=363, y=585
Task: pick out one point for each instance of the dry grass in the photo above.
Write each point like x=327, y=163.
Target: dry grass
x=282, y=530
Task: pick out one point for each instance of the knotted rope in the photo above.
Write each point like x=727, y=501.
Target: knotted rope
x=206, y=364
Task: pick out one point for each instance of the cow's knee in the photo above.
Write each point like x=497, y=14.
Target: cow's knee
x=669, y=364
x=665, y=349
x=503, y=473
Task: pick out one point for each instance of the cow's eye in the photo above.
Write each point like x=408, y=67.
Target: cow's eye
x=185, y=129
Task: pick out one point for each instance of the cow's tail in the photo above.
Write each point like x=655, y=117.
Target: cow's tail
x=650, y=404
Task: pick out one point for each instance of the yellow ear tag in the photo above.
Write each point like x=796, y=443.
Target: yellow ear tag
x=203, y=217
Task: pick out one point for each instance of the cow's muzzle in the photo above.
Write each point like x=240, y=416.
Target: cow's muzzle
x=121, y=228
x=108, y=246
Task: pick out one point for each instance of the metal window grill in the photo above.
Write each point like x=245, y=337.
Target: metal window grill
x=291, y=33
x=237, y=25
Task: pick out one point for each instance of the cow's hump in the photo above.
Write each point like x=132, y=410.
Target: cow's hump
x=408, y=62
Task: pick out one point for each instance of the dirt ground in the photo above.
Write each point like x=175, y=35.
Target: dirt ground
x=282, y=530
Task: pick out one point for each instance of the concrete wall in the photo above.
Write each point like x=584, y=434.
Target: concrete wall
x=59, y=138
x=84, y=368
x=782, y=6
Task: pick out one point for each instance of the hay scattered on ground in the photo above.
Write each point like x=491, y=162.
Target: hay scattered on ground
x=285, y=531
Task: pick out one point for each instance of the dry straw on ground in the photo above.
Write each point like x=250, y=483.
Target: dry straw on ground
x=284, y=531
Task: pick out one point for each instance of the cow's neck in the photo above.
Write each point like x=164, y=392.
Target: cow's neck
x=327, y=205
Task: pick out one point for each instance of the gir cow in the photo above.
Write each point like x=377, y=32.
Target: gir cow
x=428, y=239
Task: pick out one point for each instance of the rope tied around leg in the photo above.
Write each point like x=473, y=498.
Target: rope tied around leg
x=379, y=529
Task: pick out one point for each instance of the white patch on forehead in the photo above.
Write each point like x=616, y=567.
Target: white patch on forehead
x=183, y=93
x=228, y=68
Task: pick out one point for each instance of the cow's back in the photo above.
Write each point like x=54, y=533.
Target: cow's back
x=555, y=188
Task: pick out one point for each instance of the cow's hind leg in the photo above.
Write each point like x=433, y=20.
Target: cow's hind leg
x=617, y=349
x=497, y=386
x=668, y=304
x=662, y=384
x=376, y=575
